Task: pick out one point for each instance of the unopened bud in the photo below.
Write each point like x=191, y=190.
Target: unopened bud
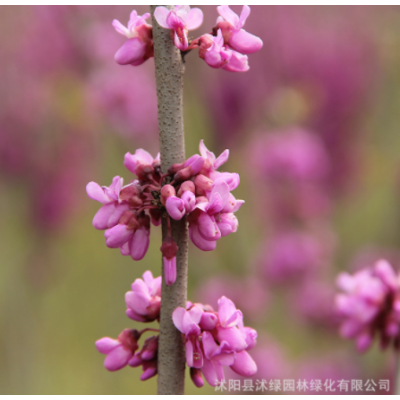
x=129, y=191
x=174, y=168
x=187, y=186
x=202, y=182
x=167, y=191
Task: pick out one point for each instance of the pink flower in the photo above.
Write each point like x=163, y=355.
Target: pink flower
x=139, y=46
x=140, y=163
x=147, y=357
x=370, y=305
x=188, y=323
x=143, y=302
x=209, y=222
x=215, y=357
x=231, y=26
x=119, y=351
x=214, y=339
x=217, y=55
x=131, y=235
x=112, y=209
x=180, y=20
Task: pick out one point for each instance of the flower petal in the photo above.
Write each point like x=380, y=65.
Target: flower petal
x=222, y=159
x=106, y=344
x=244, y=365
x=244, y=42
x=161, y=14
x=131, y=52
x=100, y=220
x=117, y=358
x=198, y=240
x=95, y=192
x=194, y=18
x=139, y=243
x=228, y=15
x=117, y=236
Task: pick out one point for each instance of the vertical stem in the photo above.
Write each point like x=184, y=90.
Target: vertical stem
x=169, y=78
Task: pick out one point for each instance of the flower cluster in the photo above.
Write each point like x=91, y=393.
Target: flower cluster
x=226, y=47
x=212, y=339
x=370, y=305
x=194, y=188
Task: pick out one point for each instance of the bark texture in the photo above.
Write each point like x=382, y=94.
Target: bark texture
x=169, y=78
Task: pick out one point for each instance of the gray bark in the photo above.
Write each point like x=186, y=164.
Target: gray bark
x=169, y=78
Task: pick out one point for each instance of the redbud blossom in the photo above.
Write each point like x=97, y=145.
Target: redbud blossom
x=231, y=26
x=215, y=339
x=370, y=305
x=144, y=301
x=139, y=46
x=218, y=55
x=119, y=351
x=180, y=20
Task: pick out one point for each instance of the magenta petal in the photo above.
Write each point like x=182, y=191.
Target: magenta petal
x=144, y=157
x=213, y=372
x=244, y=42
x=194, y=19
x=149, y=373
x=228, y=15
x=95, y=192
x=222, y=159
x=100, y=220
x=222, y=189
x=209, y=345
x=137, y=302
x=199, y=241
x=208, y=321
x=233, y=337
x=106, y=344
x=131, y=52
x=207, y=227
x=244, y=365
x=243, y=15
x=226, y=308
x=116, y=215
x=225, y=358
x=197, y=165
x=135, y=361
x=125, y=249
x=117, y=358
x=134, y=316
x=177, y=318
x=251, y=337
x=139, y=243
x=189, y=353
x=196, y=314
x=237, y=63
x=175, y=207
x=130, y=162
x=117, y=236
x=189, y=201
x=161, y=14
x=169, y=270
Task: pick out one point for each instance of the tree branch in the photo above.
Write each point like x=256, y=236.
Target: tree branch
x=169, y=78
